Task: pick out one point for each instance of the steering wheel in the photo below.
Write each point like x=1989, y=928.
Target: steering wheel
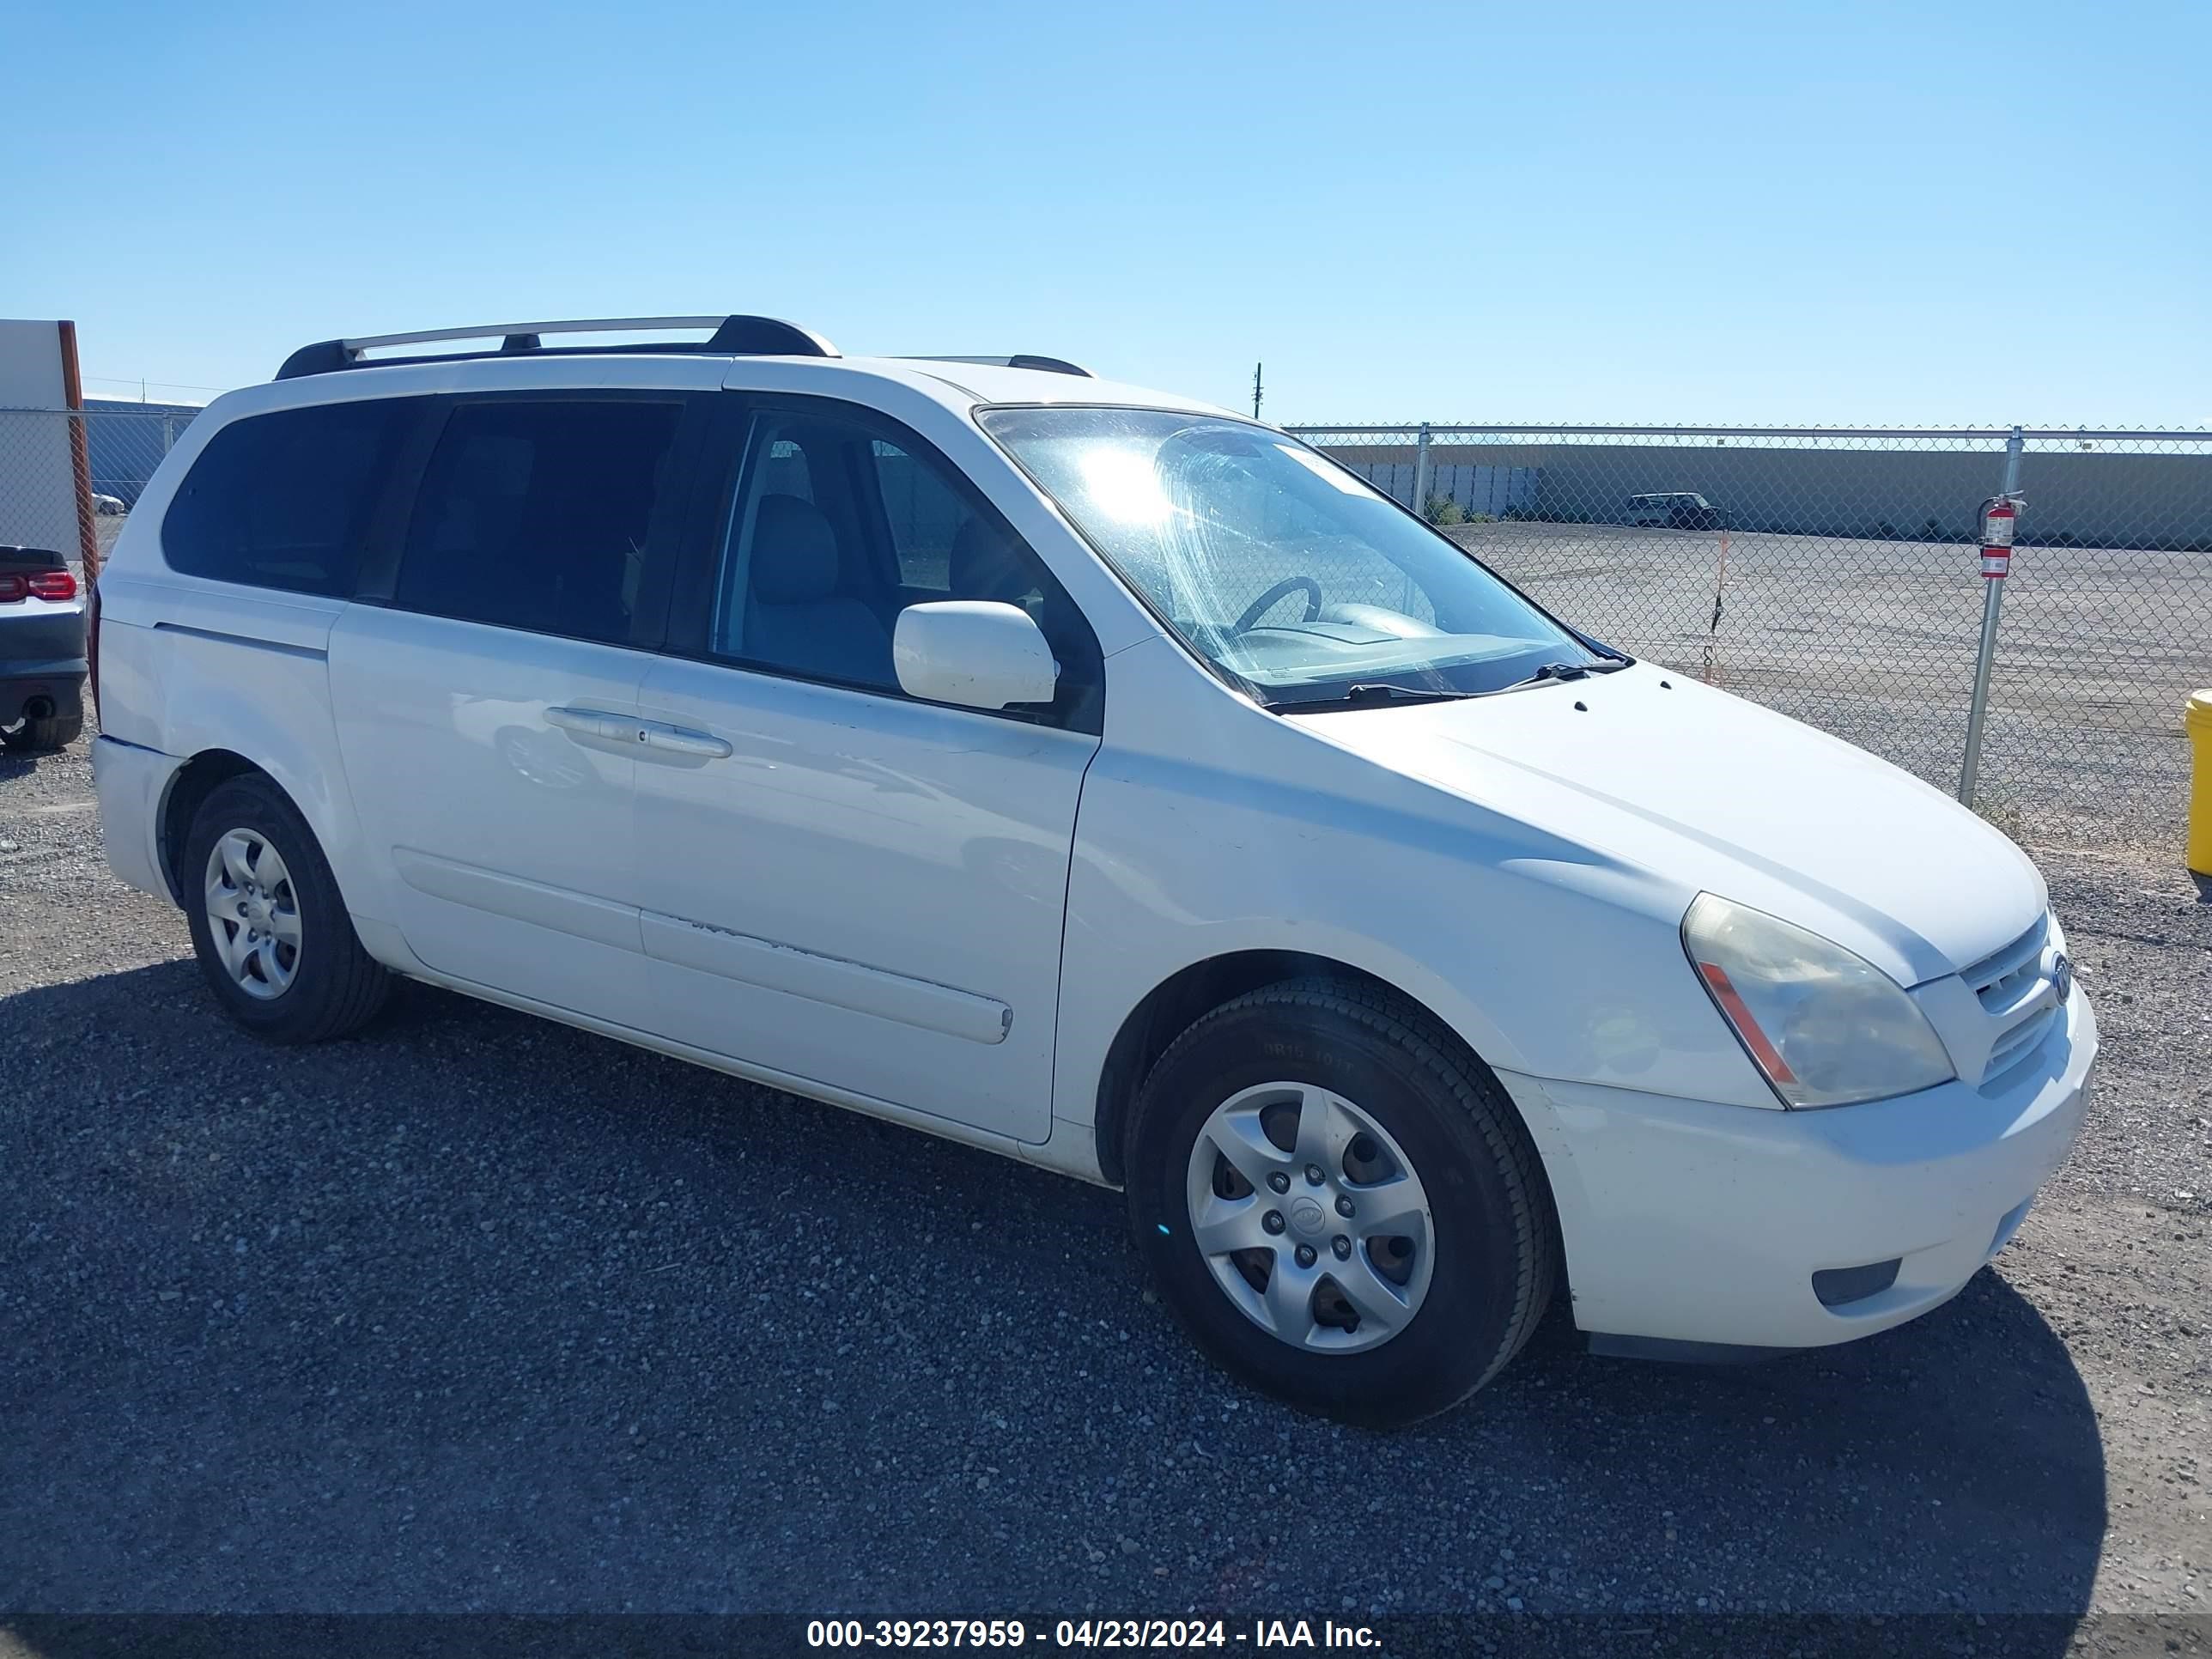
x=1260, y=606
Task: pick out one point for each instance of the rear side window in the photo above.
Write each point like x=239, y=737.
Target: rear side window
x=284, y=500
x=535, y=515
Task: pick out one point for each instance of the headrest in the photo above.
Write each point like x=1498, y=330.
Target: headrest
x=795, y=552
x=983, y=565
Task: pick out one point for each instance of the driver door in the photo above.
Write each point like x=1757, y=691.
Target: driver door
x=842, y=885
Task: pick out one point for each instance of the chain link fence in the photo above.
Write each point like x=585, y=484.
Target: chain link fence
x=1833, y=574
x=121, y=444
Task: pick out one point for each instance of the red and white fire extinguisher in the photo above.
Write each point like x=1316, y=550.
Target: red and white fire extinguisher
x=2000, y=519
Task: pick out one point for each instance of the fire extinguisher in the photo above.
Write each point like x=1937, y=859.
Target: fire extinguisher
x=2000, y=519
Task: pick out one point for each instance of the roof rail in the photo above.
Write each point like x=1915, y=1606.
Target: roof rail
x=1019, y=359
x=735, y=335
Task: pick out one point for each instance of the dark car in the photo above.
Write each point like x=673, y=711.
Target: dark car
x=1676, y=509
x=41, y=649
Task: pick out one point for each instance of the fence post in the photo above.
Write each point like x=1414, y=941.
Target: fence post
x=1421, y=472
x=1992, y=603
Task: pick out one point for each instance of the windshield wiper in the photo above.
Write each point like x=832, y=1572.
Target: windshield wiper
x=1374, y=695
x=1370, y=695
x=1565, y=671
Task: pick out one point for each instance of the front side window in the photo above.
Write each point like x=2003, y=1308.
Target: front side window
x=796, y=591
x=535, y=515
x=924, y=515
x=284, y=500
x=1275, y=564
x=837, y=527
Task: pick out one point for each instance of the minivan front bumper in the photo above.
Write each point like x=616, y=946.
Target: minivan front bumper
x=1690, y=1223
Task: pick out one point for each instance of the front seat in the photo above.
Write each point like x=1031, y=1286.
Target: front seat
x=795, y=617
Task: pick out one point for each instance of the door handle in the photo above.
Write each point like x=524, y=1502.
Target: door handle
x=681, y=740
x=588, y=722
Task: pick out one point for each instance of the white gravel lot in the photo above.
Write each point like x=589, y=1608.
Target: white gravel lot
x=477, y=1312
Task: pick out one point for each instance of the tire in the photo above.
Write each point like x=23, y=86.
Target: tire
x=44, y=736
x=1363, y=1057
x=325, y=985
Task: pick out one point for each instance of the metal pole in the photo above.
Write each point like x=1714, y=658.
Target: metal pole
x=1256, y=368
x=1421, y=472
x=1992, y=603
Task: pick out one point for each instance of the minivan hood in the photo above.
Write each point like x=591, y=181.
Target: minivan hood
x=1709, y=792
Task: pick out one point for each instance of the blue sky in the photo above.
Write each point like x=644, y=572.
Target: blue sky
x=1684, y=212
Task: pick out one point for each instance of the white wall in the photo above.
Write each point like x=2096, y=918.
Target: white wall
x=37, y=481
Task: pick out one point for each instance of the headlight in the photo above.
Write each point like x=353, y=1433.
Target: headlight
x=1825, y=1026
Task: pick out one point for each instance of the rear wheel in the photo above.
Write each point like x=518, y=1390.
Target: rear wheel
x=45, y=734
x=1340, y=1203
x=270, y=931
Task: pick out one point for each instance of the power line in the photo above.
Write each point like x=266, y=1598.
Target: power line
x=144, y=385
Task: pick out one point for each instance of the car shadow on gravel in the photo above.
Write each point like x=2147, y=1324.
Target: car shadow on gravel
x=478, y=1312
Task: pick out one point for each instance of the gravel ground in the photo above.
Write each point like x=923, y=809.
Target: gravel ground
x=478, y=1312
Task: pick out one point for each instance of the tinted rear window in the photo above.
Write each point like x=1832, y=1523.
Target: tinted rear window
x=284, y=500
x=535, y=515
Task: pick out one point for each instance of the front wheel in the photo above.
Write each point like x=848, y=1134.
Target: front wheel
x=1340, y=1203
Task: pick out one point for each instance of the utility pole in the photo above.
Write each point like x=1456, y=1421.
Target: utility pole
x=1256, y=390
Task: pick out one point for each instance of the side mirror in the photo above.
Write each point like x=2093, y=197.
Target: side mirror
x=978, y=653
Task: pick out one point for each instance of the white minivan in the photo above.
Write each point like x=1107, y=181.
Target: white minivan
x=1098, y=777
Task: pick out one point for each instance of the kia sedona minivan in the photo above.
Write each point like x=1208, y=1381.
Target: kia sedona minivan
x=1100, y=778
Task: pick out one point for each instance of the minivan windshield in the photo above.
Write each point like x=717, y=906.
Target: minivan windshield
x=1278, y=565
